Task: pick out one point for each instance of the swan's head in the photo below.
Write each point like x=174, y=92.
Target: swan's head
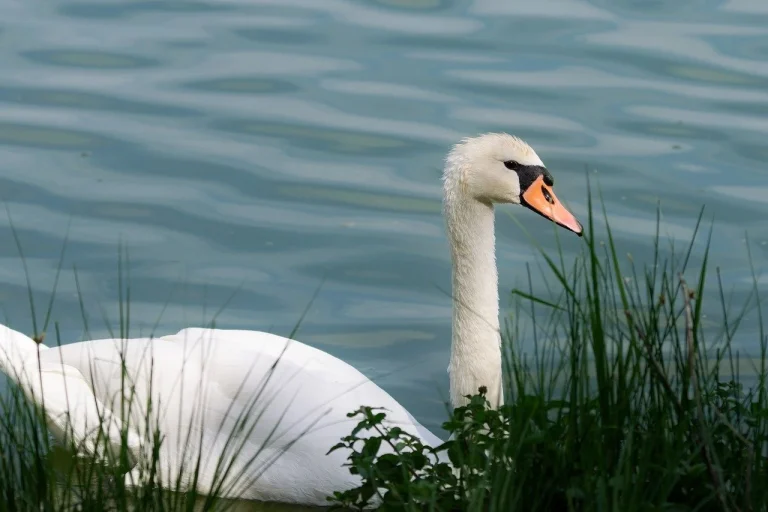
x=501, y=168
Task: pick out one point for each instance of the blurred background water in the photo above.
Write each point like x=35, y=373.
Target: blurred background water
x=246, y=151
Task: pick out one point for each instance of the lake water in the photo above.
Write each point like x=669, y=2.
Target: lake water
x=247, y=152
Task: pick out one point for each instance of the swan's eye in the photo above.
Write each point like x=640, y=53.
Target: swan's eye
x=547, y=195
x=512, y=165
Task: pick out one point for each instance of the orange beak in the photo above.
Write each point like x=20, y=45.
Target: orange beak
x=540, y=198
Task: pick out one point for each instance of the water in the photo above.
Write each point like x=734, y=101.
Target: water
x=247, y=151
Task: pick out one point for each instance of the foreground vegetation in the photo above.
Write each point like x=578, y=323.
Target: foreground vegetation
x=627, y=403
x=624, y=406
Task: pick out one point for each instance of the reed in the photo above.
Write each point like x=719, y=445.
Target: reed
x=628, y=401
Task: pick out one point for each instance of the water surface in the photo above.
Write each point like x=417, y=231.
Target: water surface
x=244, y=152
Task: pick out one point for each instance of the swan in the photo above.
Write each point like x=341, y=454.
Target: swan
x=268, y=406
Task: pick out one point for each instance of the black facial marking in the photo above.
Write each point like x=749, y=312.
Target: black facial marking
x=529, y=173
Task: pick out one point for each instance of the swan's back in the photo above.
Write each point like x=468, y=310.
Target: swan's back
x=288, y=402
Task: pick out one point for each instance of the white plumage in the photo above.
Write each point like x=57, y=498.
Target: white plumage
x=259, y=412
x=199, y=388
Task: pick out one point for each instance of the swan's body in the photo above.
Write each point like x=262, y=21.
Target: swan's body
x=203, y=383
x=196, y=387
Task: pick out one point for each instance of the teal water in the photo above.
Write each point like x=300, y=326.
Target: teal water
x=246, y=152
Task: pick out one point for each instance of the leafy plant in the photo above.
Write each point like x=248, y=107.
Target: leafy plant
x=628, y=403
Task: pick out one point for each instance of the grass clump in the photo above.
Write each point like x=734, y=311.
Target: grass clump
x=118, y=463
x=628, y=403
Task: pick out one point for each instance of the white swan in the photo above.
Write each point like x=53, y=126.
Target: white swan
x=203, y=382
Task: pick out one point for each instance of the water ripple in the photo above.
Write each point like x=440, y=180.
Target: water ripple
x=266, y=145
x=88, y=59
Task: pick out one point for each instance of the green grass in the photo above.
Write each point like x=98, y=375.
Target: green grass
x=627, y=402
x=39, y=473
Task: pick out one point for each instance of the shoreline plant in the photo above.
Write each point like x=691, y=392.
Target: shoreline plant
x=628, y=401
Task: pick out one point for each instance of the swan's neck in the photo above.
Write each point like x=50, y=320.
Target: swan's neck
x=475, y=344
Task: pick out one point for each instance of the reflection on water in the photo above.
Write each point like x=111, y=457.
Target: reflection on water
x=42, y=137
x=266, y=146
x=87, y=59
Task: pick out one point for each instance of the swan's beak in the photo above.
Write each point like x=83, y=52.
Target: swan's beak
x=540, y=198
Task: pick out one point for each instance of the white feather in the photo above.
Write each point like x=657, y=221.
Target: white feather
x=196, y=387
